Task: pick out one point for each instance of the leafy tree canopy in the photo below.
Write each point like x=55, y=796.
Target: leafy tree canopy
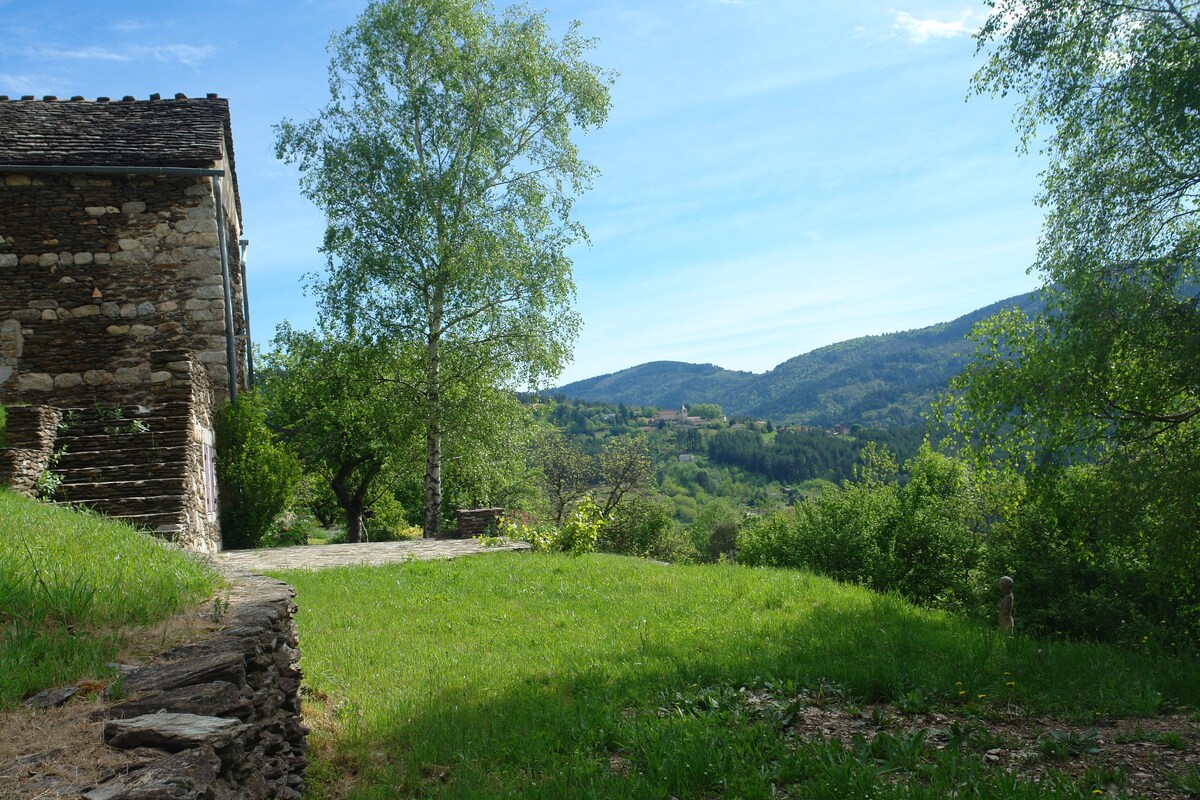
x=446, y=169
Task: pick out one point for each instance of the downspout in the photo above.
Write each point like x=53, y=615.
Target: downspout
x=230, y=339
x=246, y=319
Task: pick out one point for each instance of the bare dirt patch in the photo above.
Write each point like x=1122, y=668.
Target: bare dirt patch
x=1135, y=756
x=59, y=752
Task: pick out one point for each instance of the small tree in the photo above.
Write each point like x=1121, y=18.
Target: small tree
x=566, y=472
x=335, y=400
x=256, y=476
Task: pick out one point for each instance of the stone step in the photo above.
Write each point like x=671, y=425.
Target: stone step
x=87, y=458
x=166, y=525
x=130, y=506
x=104, y=473
x=110, y=489
x=122, y=439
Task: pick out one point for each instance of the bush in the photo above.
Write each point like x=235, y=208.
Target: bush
x=1084, y=563
x=578, y=535
x=581, y=531
x=388, y=523
x=714, y=531
x=290, y=528
x=256, y=476
x=916, y=540
x=645, y=527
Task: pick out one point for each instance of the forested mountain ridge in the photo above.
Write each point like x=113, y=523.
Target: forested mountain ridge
x=889, y=379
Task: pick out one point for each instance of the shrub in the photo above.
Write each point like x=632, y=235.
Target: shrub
x=581, y=531
x=388, y=523
x=1082, y=557
x=916, y=540
x=714, y=530
x=645, y=527
x=577, y=535
x=256, y=476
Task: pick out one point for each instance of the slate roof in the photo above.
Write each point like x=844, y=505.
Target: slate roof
x=182, y=132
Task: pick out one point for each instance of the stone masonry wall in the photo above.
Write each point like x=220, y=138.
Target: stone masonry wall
x=176, y=408
x=98, y=271
x=222, y=715
x=32, y=431
x=200, y=528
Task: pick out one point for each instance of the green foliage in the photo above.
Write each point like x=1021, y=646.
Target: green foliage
x=916, y=539
x=709, y=411
x=567, y=471
x=1081, y=571
x=714, y=532
x=1092, y=400
x=74, y=586
x=448, y=177
x=291, y=528
x=643, y=526
x=333, y=399
x=388, y=521
x=256, y=475
x=581, y=531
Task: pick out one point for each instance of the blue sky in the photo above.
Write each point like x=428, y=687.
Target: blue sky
x=776, y=175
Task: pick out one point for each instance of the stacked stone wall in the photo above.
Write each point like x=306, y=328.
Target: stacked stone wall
x=224, y=713
x=175, y=373
x=32, y=431
x=98, y=271
x=472, y=522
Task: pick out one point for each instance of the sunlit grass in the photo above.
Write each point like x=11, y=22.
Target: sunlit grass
x=520, y=675
x=73, y=585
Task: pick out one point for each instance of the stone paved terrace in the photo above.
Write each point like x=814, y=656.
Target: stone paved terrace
x=321, y=556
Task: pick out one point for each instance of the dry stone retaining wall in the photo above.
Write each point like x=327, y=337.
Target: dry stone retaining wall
x=224, y=712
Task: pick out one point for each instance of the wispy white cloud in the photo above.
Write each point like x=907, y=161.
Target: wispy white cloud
x=135, y=26
x=93, y=53
x=12, y=83
x=187, y=54
x=919, y=31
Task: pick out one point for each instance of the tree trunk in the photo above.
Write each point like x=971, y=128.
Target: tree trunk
x=433, y=428
x=354, y=525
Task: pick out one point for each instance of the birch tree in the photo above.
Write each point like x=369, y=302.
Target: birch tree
x=445, y=164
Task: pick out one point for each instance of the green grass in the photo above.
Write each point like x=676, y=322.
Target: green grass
x=516, y=675
x=73, y=585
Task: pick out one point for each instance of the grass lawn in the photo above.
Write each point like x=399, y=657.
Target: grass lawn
x=516, y=675
x=75, y=587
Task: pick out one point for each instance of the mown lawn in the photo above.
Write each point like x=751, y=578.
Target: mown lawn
x=550, y=676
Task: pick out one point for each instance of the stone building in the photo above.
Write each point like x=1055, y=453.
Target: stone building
x=122, y=312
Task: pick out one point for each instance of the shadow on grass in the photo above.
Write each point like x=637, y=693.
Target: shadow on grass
x=611, y=679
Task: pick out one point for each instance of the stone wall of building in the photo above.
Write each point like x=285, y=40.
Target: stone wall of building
x=151, y=462
x=176, y=372
x=98, y=271
x=32, y=432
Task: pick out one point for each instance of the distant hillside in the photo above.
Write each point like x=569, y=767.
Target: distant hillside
x=889, y=379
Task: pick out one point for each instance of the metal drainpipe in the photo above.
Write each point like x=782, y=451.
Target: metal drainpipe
x=230, y=340
x=246, y=319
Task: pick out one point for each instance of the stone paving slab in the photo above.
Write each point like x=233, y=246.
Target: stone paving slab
x=321, y=556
